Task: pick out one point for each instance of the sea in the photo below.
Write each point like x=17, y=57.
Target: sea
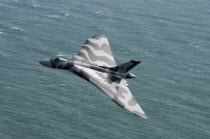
x=171, y=38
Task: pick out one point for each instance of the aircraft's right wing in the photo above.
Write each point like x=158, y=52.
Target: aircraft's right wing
x=114, y=88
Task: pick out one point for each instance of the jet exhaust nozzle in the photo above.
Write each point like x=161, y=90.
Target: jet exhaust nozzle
x=130, y=75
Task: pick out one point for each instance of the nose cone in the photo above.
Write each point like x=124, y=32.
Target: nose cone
x=45, y=62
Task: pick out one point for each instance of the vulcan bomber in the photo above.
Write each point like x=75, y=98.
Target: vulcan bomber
x=95, y=63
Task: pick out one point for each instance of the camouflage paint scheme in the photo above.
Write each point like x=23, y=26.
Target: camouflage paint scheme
x=95, y=63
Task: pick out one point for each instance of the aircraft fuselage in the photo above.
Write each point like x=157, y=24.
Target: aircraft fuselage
x=61, y=63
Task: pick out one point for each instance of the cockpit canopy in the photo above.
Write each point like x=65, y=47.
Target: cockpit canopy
x=60, y=60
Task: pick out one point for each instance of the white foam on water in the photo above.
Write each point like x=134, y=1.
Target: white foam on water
x=5, y=5
x=66, y=13
x=99, y=13
x=35, y=3
x=193, y=45
x=1, y=4
x=54, y=16
x=16, y=28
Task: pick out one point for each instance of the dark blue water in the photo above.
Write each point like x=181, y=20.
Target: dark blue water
x=171, y=38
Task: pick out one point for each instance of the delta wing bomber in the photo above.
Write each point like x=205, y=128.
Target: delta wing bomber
x=95, y=63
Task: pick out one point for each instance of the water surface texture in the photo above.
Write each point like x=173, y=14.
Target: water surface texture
x=171, y=38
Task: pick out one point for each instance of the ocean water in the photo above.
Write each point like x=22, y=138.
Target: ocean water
x=171, y=38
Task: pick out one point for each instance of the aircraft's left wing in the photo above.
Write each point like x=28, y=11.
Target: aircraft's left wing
x=115, y=88
x=95, y=51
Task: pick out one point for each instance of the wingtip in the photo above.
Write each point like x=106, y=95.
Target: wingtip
x=142, y=115
x=98, y=36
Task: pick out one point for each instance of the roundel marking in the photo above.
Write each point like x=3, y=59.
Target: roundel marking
x=97, y=47
x=122, y=96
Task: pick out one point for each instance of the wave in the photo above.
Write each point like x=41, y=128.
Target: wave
x=54, y=16
x=98, y=13
x=61, y=15
x=16, y=28
x=65, y=13
x=2, y=4
x=35, y=3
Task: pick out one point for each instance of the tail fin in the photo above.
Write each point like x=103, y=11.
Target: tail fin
x=123, y=68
